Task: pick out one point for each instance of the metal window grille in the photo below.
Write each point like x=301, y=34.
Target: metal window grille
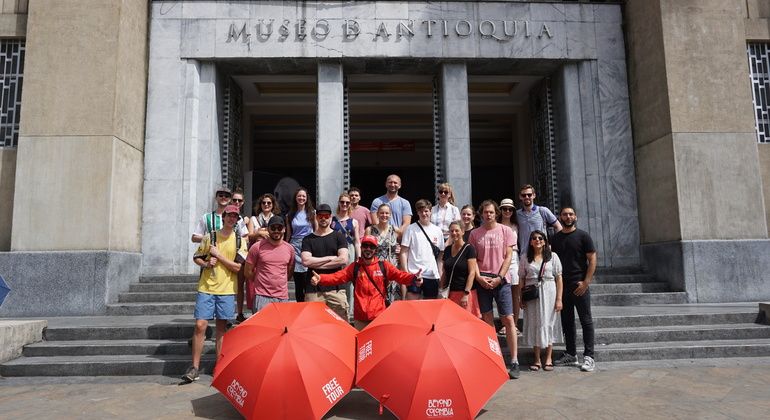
x=231, y=141
x=438, y=173
x=12, y=65
x=544, y=149
x=759, y=66
x=345, y=137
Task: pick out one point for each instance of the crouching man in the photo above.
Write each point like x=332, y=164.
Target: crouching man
x=371, y=277
x=220, y=255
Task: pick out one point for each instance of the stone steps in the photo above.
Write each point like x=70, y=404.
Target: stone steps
x=112, y=365
x=147, y=331
x=113, y=347
x=679, y=333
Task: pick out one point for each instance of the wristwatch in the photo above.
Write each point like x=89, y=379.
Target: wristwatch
x=467, y=292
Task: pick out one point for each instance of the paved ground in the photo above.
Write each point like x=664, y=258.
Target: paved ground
x=703, y=389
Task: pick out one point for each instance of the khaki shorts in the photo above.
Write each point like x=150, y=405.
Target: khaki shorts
x=336, y=300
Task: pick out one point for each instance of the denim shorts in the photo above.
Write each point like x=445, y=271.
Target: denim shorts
x=502, y=296
x=428, y=290
x=208, y=306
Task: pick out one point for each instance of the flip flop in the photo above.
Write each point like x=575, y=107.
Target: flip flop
x=534, y=367
x=548, y=367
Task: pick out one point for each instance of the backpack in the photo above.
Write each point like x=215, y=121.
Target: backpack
x=211, y=224
x=384, y=279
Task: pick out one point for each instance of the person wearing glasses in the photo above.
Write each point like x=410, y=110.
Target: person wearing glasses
x=344, y=222
x=541, y=268
x=244, y=229
x=270, y=266
x=371, y=275
x=531, y=217
x=265, y=208
x=445, y=211
x=210, y=222
x=326, y=251
x=508, y=218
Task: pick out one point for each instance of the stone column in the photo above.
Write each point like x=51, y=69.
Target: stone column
x=455, y=130
x=78, y=195
x=700, y=189
x=329, y=144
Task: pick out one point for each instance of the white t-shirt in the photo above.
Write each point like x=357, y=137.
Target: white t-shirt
x=420, y=252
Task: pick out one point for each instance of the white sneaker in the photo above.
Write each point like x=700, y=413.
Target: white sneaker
x=566, y=359
x=588, y=364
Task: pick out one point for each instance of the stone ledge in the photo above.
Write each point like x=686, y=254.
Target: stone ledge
x=15, y=334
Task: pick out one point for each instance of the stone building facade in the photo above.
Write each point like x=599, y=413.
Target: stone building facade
x=133, y=111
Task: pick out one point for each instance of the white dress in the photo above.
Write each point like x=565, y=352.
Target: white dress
x=542, y=325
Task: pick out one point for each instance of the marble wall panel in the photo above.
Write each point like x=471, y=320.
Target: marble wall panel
x=581, y=40
x=199, y=9
x=578, y=13
x=552, y=12
x=544, y=46
x=199, y=37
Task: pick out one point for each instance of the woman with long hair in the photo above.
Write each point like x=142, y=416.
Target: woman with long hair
x=265, y=207
x=344, y=222
x=445, y=211
x=460, y=269
x=508, y=218
x=467, y=216
x=541, y=268
x=300, y=222
x=387, y=246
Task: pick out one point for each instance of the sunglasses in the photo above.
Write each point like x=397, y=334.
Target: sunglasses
x=368, y=246
x=525, y=195
x=267, y=203
x=237, y=200
x=444, y=192
x=506, y=209
x=344, y=203
x=538, y=238
x=276, y=228
x=323, y=215
x=223, y=195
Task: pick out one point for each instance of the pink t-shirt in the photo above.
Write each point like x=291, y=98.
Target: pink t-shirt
x=490, y=246
x=361, y=214
x=271, y=263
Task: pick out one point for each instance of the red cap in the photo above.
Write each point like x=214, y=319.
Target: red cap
x=231, y=209
x=369, y=239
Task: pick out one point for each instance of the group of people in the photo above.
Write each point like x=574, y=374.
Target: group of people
x=365, y=258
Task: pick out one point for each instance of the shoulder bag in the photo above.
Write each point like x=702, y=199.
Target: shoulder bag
x=532, y=292
x=436, y=250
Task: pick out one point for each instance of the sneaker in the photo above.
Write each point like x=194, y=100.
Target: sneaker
x=514, y=371
x=191, y=375
x=240, y=318
x=566, y=359
x=588, y=364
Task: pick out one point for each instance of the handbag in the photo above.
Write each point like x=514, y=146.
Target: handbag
x=532, y=292
x=436, y=250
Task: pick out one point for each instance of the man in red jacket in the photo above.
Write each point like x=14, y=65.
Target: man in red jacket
x=370, y=281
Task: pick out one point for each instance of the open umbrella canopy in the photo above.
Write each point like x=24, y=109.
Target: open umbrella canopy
x=289, y=360
x=428, y=359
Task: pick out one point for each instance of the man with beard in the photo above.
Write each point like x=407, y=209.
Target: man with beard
x=326, y=251
x=270, y=265
x=371, y=277
x=531, y=217
x=578, y=258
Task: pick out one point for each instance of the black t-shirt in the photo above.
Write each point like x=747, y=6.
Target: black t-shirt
x=324, y=246
x=572, y=249
x=460, y=276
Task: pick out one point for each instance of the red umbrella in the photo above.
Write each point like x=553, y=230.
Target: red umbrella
x=428, y=359
x=289, y=360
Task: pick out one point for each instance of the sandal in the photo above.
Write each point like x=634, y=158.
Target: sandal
x=548, y=367
x=534, y=367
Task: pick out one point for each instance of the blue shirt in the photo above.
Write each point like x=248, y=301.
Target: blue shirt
x=399, y=208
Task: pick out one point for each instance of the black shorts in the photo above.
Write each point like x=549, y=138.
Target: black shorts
x=429, y=288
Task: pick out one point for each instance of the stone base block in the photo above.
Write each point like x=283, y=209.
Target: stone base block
x=712, y=271
x=16, y=334
x=62, y=283
x=764, y=313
